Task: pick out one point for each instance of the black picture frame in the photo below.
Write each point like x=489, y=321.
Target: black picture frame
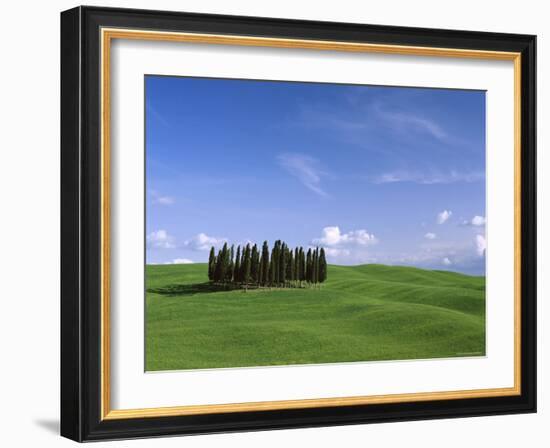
x=81, y=224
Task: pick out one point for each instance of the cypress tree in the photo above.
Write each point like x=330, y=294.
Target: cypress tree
x=237, y=268
x=290, y=266
x=241, y=272
x=211, y=263
x=296, y=265
x=279, y=262
x=302, y=265
x=276, y=255
x=254, y=264
x=218, y=271
x=264, y=265
x=282, y=264
x=228, y=265
x=224, y=263
x=322, y=266
x=246, y=266
x=309, y=267
x=260, y=269
x=315, y=273
x=272, y=264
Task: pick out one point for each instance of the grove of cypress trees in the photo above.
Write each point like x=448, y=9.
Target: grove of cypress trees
x=282, y=267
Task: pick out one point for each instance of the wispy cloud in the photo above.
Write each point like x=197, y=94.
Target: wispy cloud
x=430, y=236
x=444, y=216
x=156, y=114
x=157, y=198
x=405, y=121
x=180, y=261
x=428, y=178
x=367, y=117
x=304, y=168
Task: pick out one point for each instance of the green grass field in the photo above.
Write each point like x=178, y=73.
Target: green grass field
x=361, y=313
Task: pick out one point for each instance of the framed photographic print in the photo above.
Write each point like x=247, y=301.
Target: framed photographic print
x=273, y=223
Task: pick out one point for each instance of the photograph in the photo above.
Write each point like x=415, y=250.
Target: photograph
x=304, y=223
x=291, y=220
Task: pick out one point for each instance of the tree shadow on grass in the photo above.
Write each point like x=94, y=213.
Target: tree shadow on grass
x=190, y=289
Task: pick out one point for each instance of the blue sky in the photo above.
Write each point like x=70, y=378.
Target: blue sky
x=392, y=175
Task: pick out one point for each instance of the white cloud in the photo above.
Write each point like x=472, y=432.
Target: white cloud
x=202, y=241
x=305, y=169
x=429, y=178
x=333, y=237
x=478, y=221
x=180, y=261
x=444, y=216
x=430, y=236
x=481, y=245
x=351, y=247
x=160, y=239
x=343, y=248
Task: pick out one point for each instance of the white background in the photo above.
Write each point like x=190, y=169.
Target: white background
x=29, y=177
x=132, y=388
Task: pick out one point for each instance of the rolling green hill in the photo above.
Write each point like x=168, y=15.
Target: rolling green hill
x=362, y=313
